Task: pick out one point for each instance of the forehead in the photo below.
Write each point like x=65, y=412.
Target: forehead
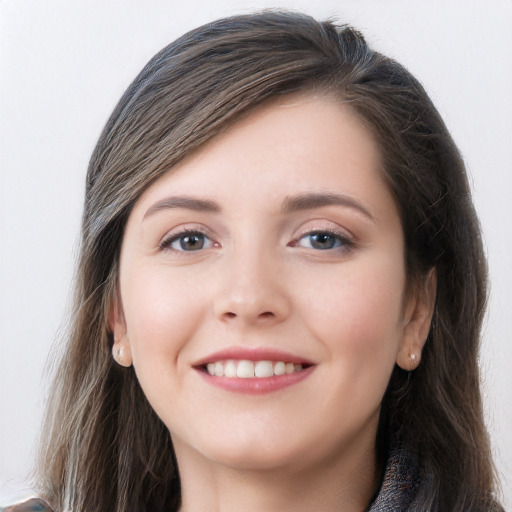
x=288, y=146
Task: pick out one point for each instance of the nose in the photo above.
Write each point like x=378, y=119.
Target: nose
x=252, y=291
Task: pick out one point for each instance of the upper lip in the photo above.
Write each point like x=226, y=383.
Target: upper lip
x=253, y=354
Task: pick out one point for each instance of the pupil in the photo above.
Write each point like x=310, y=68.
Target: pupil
x=192, y=242
x=322, y=241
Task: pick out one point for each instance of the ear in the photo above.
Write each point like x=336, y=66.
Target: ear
x=121, y=349
x=416, y=323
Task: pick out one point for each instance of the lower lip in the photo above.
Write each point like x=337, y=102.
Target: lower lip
x=256, y=385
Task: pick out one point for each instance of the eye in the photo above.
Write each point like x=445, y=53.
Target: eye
x=324, y=240
x=187, y=241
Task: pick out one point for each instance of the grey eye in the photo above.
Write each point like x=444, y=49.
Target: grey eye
x=321, y=241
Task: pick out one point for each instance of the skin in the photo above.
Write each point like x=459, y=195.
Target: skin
x=261, y=280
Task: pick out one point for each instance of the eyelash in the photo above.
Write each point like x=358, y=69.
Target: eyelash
x=344, y=243
x=341, y=241
x=166, y=244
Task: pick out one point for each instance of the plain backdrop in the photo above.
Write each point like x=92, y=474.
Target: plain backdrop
x=65, y=64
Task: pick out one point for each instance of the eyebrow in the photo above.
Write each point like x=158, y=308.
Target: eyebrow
x=307, y=201
x=186, y=202
x=319, y=199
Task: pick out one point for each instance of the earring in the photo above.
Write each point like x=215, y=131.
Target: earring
x=414, y=363
x=119, y=356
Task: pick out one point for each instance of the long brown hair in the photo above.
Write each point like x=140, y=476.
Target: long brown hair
x=104, y=448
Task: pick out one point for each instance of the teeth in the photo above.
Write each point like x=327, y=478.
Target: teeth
x=230, y=369
x=245, y=369
x=279, y=368
x=219, y=369
x=263, y=369
x=249, y=369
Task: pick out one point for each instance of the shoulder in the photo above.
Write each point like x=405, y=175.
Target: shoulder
x=33, y=504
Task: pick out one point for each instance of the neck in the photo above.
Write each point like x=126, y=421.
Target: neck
x=345, y=483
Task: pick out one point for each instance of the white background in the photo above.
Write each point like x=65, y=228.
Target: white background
x=65, y=64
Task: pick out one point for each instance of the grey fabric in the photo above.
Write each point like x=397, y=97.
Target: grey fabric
x=399, y=485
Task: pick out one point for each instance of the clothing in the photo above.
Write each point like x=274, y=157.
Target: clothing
x=399, y=485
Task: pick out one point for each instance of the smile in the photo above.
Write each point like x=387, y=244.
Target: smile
x=245, y=369
x=253, y=371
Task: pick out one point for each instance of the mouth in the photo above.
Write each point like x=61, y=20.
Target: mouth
x=253, y=371
x=247, y=369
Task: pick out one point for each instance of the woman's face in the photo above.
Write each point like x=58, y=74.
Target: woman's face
x=262, y=290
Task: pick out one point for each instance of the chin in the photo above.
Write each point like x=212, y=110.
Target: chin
x=246, y=452
x=258, y=458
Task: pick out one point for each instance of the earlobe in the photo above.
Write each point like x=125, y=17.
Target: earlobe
x=417, y=320
x=121, y=349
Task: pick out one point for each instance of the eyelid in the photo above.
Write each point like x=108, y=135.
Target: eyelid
x=345, y=240
x=176, y=233
x=323, y=225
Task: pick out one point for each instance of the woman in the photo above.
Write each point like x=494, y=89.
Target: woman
x=280, y=289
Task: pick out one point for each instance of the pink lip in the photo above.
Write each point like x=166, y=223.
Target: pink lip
x=252, y=354
x=254, y=386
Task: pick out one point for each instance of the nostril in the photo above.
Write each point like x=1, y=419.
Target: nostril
x=267, y=314
x=229, y=314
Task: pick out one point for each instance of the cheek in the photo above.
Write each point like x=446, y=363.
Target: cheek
x=161, y=310
x=357, y=313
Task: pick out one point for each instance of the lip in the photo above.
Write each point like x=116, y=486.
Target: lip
x=256, y=385
x=253, y=354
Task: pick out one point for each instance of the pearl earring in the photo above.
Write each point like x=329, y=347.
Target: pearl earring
x=119, y=355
